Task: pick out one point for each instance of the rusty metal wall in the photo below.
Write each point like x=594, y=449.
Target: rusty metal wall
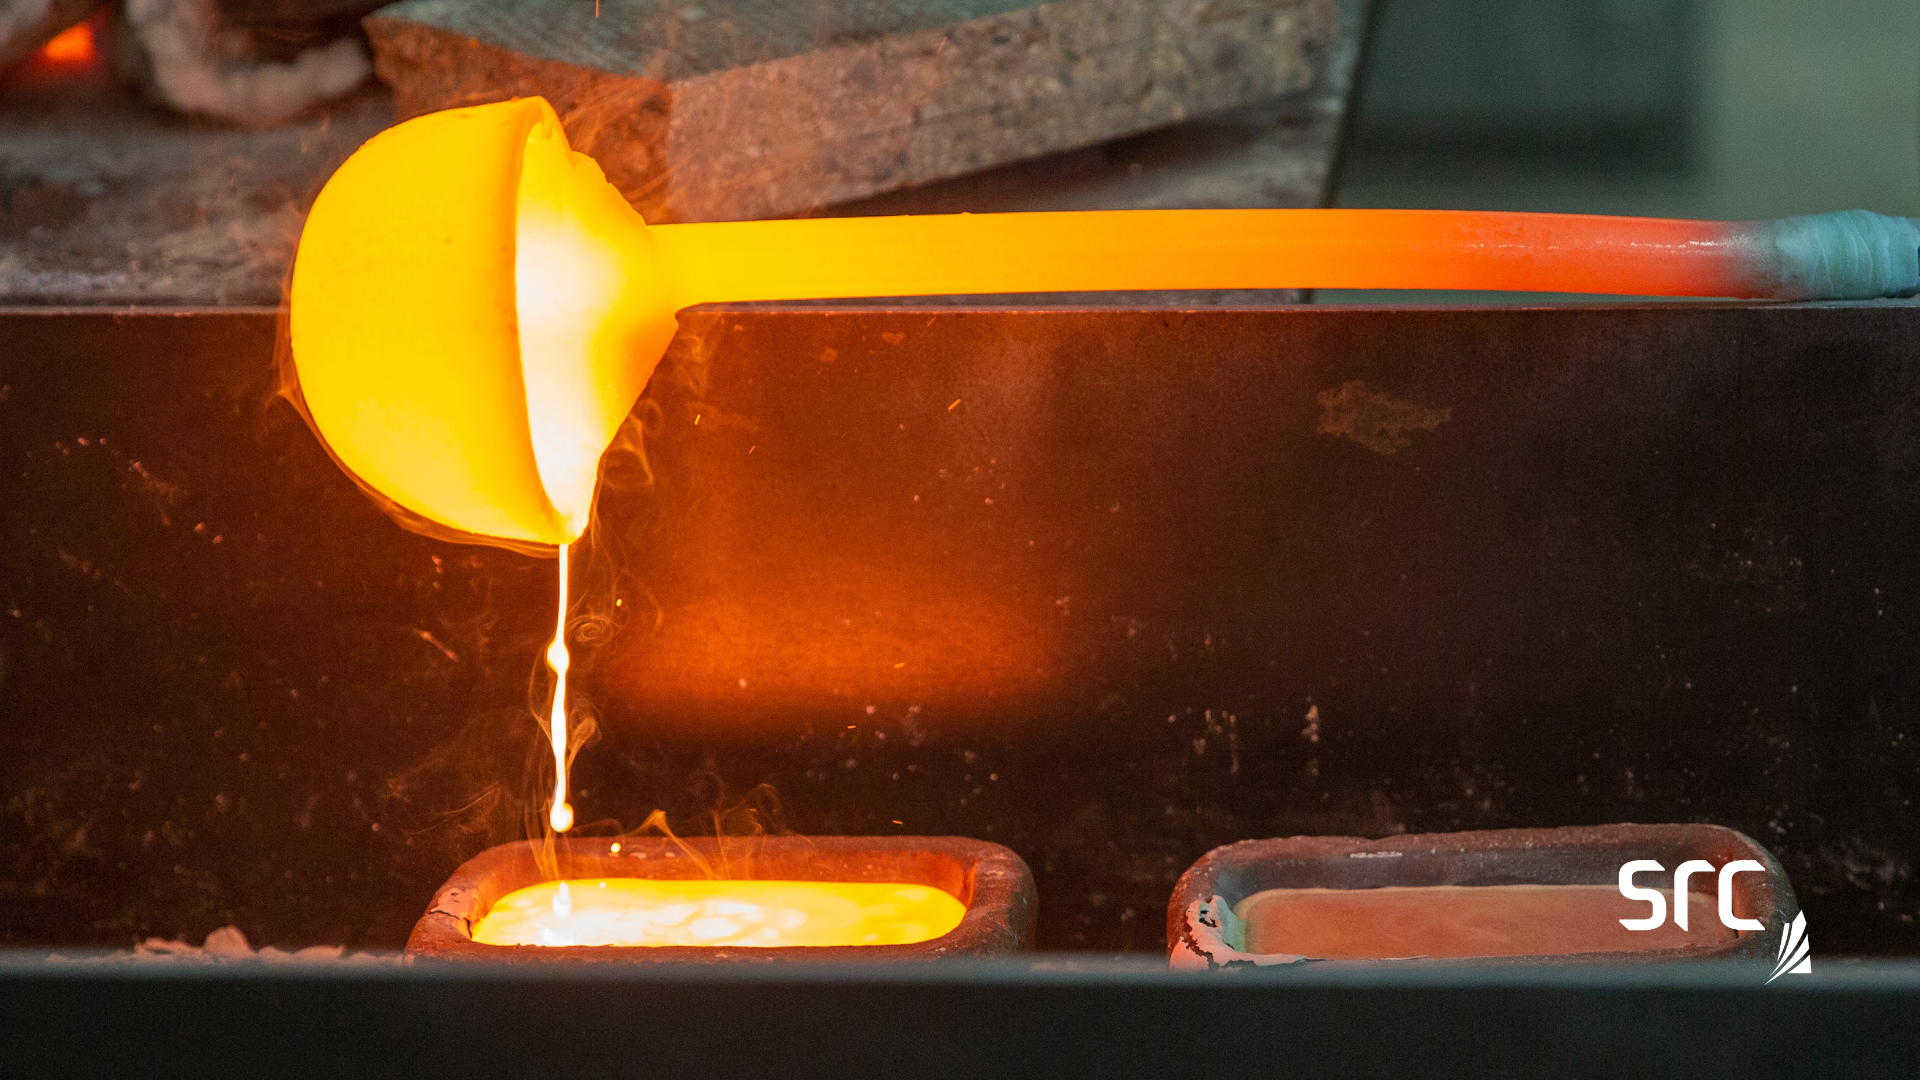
x=1109, y=587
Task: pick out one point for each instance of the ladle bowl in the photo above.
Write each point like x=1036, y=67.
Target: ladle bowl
x=474, y=311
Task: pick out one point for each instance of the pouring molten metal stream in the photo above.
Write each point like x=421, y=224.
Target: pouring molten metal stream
x=474, y=309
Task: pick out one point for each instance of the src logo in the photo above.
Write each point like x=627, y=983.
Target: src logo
x=1795, y=952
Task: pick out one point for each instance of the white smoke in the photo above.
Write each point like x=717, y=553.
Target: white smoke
x=197, y=66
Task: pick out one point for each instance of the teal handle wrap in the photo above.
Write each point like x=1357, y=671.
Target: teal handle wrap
x=1846, y=255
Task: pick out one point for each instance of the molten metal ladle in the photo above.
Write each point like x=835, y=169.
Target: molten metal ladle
x=475, y=309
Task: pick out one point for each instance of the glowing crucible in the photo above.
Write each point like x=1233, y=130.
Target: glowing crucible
x=475, y=309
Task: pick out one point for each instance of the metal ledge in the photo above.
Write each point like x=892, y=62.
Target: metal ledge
x=1056, y=1017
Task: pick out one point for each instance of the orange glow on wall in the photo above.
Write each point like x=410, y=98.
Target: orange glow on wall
x=74, y=45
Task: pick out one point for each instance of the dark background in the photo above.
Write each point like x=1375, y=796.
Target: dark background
x=1655, y=564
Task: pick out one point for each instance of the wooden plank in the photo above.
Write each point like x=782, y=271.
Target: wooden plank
x=732, y=109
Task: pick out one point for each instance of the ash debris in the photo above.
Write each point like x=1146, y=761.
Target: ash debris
x=228, y=945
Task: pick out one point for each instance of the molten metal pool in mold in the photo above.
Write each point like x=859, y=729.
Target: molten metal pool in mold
x=792, y=898
x=715, y=913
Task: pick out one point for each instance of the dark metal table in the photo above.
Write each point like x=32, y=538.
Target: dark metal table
x=1058, y=1018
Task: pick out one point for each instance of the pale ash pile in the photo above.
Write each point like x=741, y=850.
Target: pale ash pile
x=229, y=945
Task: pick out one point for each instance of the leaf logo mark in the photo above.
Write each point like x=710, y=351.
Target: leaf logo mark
x=1795, y=952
